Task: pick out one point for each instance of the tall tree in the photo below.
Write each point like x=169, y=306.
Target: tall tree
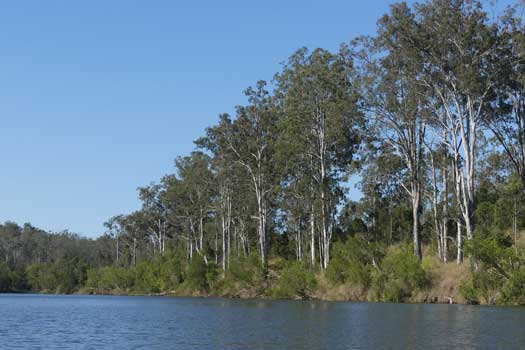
x=458, y=48
x=507, y=122
x=250, y=141
x=319, y=101
x=396, y=101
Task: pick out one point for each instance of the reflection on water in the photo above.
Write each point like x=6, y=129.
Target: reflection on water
x=95, y=322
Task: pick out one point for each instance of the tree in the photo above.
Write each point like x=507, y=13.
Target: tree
x=458, y=47
x=250, y=140
x=397, y=103
x=507, y=122
x=195, y=188
x=319, y=101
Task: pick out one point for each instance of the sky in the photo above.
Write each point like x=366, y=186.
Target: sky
x=99, y=97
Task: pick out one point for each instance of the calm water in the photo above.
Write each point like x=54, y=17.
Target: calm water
x=105, y=322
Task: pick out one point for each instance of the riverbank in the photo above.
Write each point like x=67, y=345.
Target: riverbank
x=443, y=286
x=397, y=276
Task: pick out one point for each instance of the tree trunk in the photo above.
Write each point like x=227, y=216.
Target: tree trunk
x=444, y=213
x=299, y=243
x=134, y=251
x=415, y=225
x=216, y=247
x=459, y=256
x=312, y=235
x=223, y=243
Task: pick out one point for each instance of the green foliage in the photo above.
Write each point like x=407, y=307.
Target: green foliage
x=469, y=291
x=243, y=274
x=513, y=292
x=59, y=277
x=110, y=278
x=199, y=275
x=498, y=274
x=295, y=281
x=161, y=274
x=147, y=277
x=281, y=246
x=400, y=275
x=482, y=287
x=171, y=272
x=247, y=271
x=350, y=263
x=5, y=278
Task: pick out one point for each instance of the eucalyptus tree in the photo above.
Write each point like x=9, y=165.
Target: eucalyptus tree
x=396, y=101
x=439, y=194
x=115, y=231
x=189, y=194
x=154, y=216
x=230, y=184
x=250, y=141
x=459, y=48
x=319, y=101
x=384, y=204
x=224, y=172
x=507, y=122
x=179, y=215
x=195, y=173
x=130, y=229
x=296, y=197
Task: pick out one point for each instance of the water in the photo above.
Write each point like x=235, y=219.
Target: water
x=106, y=322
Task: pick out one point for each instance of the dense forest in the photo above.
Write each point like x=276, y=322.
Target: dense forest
x=428, y=114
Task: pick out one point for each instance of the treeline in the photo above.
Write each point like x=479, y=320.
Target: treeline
x=33, y=259
x=429, y=113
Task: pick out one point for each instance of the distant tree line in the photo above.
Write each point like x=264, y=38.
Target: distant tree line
x=429, y=113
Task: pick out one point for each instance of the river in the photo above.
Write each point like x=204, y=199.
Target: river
x=109, y=322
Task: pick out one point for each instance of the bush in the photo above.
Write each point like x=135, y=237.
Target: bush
x=147, y=277
x=247, y=271
x=482, y=287
x=513, y=291
x=496, y=270
x=171, y=272
x=110, y=278
x=59, y=277
x=295, y=281
x=400, y=275
x=245, y=275
x=199, y=275
x=469, y=292
x=349, y=263
x=5, y=278
x=162, y=274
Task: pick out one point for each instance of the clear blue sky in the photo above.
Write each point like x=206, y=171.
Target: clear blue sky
x=99, y=97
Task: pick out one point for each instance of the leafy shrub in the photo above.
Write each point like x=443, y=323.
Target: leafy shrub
x=59, y=277
x=400, y=275
x=496, y=272
x=199, y=275
x=295, y=281
x=171, y=272
x=111, y=278
x=147, y=277
x=469, y=292
x=248, y=271
x=244, y=275
x=5, y=278
x=513, y=291
x=282, y=246
x=349, y=263
x=482, y=287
